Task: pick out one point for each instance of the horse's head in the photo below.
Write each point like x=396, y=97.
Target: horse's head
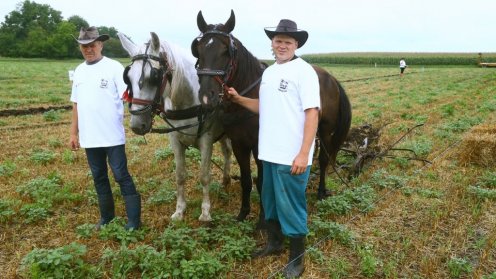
x=216, y=53
x=145, y=78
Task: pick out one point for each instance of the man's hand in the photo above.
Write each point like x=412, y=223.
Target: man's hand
x=232, y=95
x=74, y=143
x=299, y=165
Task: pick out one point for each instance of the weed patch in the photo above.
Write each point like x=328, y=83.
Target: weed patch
x=63, y=262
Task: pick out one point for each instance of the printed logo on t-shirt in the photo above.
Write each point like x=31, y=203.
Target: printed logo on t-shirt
x=103, y=83
x=283, y=86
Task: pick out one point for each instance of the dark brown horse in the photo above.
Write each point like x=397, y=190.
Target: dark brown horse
x=224, y=62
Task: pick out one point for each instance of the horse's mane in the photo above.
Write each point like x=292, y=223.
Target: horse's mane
x=248, y=64
x=183, y=68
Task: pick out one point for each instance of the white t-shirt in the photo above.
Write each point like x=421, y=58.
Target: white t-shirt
x=97, y=89
x=402, y=63
x=286, y=91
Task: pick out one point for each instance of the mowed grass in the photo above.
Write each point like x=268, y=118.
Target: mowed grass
x=31, y=83
x=28, y=83
x=397, y=219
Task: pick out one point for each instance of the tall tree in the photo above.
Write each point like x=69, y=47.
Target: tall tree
x=61, y=44
x=30, y=21
x=37, y=30
x=78, y=22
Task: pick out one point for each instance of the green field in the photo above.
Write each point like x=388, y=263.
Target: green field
x=399, y=218
x=393, y=58
x=35, y=82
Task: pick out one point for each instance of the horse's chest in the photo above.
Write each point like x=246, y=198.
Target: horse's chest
x=246, y=134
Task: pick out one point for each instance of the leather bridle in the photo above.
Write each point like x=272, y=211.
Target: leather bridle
x=223, y=77
x=160, y=75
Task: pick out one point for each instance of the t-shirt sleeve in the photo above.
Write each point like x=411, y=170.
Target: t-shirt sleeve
x=75, y=82
x=310, y=89
x=118, y=79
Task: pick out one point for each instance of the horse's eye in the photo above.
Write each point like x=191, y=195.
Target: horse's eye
x=155, y=76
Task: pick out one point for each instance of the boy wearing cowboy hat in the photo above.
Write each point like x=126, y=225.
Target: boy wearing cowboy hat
x=97, y=125
x=289, y=94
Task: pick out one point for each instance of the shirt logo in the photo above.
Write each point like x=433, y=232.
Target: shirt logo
x=103, y=83
x=283, y=86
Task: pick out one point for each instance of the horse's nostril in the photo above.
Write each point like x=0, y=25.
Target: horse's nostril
x=140, y=129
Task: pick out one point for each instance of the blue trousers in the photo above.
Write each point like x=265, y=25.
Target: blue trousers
x=117, y=160
x=284, y=199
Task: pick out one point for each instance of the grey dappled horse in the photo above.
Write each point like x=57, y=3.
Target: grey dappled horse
x=162, y=81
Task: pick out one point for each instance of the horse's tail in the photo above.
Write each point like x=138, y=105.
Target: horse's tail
x=344, y=118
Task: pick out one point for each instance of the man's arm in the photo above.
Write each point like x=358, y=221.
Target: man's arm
x=300, y=162
x=74, y=137
x=249, y=103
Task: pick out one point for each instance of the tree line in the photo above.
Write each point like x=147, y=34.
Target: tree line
x=39, y=31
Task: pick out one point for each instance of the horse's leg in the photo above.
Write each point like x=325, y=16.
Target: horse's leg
x=242, y=155
x=227, y=151
x=206, y=146
x=261, y=214
x=179, y=158
x=326, y=155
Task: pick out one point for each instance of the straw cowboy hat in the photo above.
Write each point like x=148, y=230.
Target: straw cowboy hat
x=89, y=35
x=288, y=27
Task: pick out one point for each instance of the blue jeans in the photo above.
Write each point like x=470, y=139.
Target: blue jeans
x=116, y=155
x=284, y=199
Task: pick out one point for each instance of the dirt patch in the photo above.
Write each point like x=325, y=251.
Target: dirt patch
x=28, y=111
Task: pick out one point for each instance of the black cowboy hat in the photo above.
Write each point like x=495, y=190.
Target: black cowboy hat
x=288, y=27
x=89, y=35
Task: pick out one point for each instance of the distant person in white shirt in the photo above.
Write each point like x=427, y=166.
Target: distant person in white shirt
x=402, y=66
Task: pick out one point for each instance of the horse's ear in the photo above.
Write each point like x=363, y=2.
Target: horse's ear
x=128, y=45
x=230, y=23
x=200, y=21
x=155, y=42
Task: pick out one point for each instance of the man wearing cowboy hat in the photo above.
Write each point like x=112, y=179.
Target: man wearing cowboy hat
x=288, y=106
x=97, y=125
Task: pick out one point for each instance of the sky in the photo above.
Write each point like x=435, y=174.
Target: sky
x=333, y=25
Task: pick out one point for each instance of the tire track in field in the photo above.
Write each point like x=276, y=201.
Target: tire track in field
x=37, y=110
x=34, y=110
x=34, y=126
x=374, y=77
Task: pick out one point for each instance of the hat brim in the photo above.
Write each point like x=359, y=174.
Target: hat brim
x=300, y=36
x=100, y=38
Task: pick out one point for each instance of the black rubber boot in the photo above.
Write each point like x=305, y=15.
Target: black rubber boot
x=107, y=211
x=275, y=241
x=296, y=262
x=133, y=211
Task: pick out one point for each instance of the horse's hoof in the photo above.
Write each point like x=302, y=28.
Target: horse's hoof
x=226, y=182
x=325, y=194
x=205, y=218
x=261, y=225
x=242, y=216
x=177, y=216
